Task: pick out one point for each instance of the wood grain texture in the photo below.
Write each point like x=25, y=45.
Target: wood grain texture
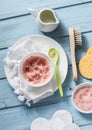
x=19, y=7
x=15, y=23
x=63, y=41
x=20, y=118
x=9, y=99
x=13, y=29
x=72, y=49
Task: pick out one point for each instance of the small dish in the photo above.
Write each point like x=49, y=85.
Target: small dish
x=36, y=69
x=82, y=98
x=48, y=43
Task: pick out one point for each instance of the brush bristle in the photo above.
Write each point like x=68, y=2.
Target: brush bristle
x=78, y=37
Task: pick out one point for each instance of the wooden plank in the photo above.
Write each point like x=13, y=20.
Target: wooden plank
x=13, y=29
x=64, y=42
x=89, y=127
x=20, y=118
x=19, y=7
x=2, y=55
x=9, y=99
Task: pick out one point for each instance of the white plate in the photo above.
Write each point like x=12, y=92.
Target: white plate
x=44, y=44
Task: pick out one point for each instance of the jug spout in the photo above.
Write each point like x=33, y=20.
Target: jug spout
x=46, y=19
x=33, y=12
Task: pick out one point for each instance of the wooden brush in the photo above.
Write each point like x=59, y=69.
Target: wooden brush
x=75, y=39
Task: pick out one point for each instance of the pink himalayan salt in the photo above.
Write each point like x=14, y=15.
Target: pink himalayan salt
x=36, y=70
x=83, y=98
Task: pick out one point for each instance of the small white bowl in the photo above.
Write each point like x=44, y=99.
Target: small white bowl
x=73, y=94
x=28, y=83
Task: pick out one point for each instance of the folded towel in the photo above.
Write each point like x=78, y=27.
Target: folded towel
x=25, y=93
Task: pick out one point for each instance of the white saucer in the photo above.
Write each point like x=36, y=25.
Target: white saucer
x=44, y=43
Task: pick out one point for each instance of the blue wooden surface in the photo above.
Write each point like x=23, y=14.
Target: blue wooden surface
x=16, y=22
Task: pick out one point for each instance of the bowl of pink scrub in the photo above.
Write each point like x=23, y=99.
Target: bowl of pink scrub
x=36, y=69
x=82, y=97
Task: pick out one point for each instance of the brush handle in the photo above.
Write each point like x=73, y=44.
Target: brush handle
x=72, y=48
x=58, y=80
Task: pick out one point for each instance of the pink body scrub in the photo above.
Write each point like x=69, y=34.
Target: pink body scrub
x=36, y=70
x=83, y=98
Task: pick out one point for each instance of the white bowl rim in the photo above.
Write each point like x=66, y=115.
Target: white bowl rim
x=84, y=84
x=36, y=54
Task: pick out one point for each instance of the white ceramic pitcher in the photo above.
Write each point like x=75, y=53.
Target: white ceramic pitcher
x=45, y=19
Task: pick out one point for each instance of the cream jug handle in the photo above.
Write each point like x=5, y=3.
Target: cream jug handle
x=33, y=12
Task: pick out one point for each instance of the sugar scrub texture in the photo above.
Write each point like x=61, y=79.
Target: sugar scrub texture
x=85, y=64
x=36, y=70
x=83, y=98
